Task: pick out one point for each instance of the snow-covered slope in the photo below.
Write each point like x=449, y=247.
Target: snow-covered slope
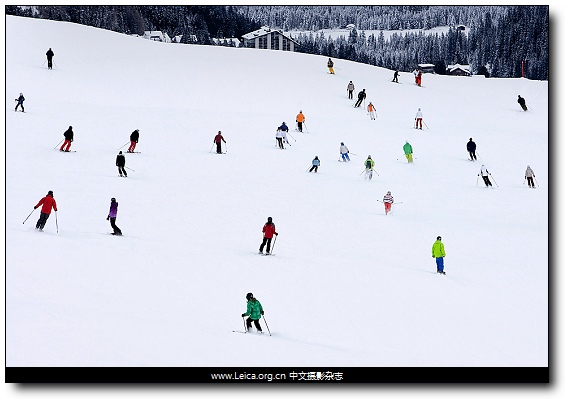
x=348, y=286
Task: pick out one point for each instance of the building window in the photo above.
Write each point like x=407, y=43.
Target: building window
x=263, y=42
x=275, y=37
x=286, y=44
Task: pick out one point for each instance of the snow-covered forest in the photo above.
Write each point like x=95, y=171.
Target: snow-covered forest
x=496, y=40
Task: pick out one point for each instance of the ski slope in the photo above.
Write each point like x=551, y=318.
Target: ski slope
x=348, y=286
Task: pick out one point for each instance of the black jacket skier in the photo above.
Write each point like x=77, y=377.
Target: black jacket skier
x=69, y=137
x=50, y=55
x=472, y=147
x=360, y=97
x=522, y=103
x=133, y=138
x=121, y=164
x=20, y=102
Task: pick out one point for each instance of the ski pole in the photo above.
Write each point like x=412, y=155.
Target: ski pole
x=425, y=124
x=211, y=147
x=226, y=148
x=58, y=144
x=364, y=170
x=29, y=215
x=306, y=127
x=493, y=180
x=56, y=222
x=130, y=169
x=267, y=325
x=376, y=172
x=274, y=242
x=44, y=62
x=291, y=136
x=477, y=180
x=535, y=180
x=480, y=156
x=123, y=145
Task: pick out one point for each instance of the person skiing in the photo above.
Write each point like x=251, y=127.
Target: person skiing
x=438, y=252
x=121, y=164
x=112, y=214
x=419, y=78
x=268, y=232
x=472, y=147
x=350, y=89
x=254, y=311
x=331, y=66
x=418, y=119
x=371, y=110
x=360, y=97
x=529, y=175
x=20, y=102
x=344, y=151
x=218, y=140
x=484, y=174
x=281, y=135
x=69, y=137
x=300, y=118
x=369, y=165
x=47, y=203
x=133, y=138
x=395, y=77
x=522, y=103
x=315, y=164
x=388, y=200
x=408, y=151
x=50, y=54
x=415, y=72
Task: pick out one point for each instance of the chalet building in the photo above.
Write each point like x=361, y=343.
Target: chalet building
x=426, y=68
x=458, y=70
x=267, y=38
x=157, y=36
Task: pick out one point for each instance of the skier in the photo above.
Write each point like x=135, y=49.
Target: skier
x=344, y=151
x=315, y=164
x=472, y=147
x=254, y=311
x=418, y=119
x=47, y=203
x=49, y=55
x=69, y=137
x=112, y=214
x=408, y=151
x=371, y=110
x=522, y=103
x=360, y=97
x=20, y=102
x=350, y=89
x=133, y=138
x=281, y=135
x=415, y=72
x=529, y=175
x=268, y=232
x=218, y=140
x=395, y=78
x=331, y=66
x=484, y=174
x=419, y=78
x=121, y=164
x=388, y=200
x=369, y=165
x=438, y=252
x=300, y=118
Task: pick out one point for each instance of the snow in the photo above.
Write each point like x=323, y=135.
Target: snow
x=348, y=286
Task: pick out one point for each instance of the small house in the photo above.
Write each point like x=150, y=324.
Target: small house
x=156, y=35
x=427, y=68
x=267, y=38
x=458, y=70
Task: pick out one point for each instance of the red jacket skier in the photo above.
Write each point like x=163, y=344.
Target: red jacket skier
x=268, y=233
x=47, y=203
x=218, y=140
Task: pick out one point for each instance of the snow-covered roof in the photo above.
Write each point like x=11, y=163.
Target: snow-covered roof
x=264, y=30
x=426, y=65
x=458, y=66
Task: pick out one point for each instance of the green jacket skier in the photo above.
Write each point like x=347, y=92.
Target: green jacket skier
x=369, y=165
x=254, y=311
x=438, y=252
x=408, y=151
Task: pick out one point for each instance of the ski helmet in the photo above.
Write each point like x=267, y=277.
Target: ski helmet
x=439, y=237
x=269, y=219
x=342, y=143
x=50, y=192
x=249, y=296
x=113, y=200
x=369, y=157
x=388, y=192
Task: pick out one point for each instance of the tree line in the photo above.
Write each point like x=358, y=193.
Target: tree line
x=495, y=42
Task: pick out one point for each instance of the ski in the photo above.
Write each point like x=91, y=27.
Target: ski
x=67, y=151
x=133, y=152
x=241, y=332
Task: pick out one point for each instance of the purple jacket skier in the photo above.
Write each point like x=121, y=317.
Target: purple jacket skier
x=112, y=214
